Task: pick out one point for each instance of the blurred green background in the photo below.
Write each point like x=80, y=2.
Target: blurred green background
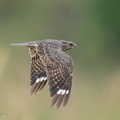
x=94, y=25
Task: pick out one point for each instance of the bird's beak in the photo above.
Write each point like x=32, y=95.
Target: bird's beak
x=75, y=45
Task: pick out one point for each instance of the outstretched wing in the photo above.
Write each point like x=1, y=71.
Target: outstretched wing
x=38, y=75
x=59, y=72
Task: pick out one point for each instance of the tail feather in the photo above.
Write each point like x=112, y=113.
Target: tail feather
x=27, y=44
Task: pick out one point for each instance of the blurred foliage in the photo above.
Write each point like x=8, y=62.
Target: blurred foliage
x=93, y=25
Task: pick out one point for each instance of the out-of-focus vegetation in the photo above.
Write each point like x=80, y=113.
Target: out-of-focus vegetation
x=94, y=26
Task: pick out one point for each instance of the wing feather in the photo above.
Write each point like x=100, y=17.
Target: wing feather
x=59, y=72
x=57, y=66
x=38, y=75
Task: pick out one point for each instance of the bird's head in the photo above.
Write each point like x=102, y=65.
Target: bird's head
x=66, y=45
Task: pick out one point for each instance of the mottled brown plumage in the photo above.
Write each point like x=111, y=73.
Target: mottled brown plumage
x=50, y=63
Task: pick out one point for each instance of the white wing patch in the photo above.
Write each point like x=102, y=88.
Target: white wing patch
x=62, y=92
x=41, y=79
x=67, y=91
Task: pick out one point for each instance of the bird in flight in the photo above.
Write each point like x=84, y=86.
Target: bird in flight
x=50, y=63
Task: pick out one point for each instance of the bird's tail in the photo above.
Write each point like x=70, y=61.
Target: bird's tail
x=27, y=44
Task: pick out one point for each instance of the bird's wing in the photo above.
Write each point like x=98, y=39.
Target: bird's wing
x=38, y=75
x=59, y=72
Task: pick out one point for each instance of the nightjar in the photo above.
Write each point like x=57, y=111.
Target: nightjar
x=50, y=63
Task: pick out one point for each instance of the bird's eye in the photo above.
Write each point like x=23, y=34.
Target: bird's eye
x=71, y=44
